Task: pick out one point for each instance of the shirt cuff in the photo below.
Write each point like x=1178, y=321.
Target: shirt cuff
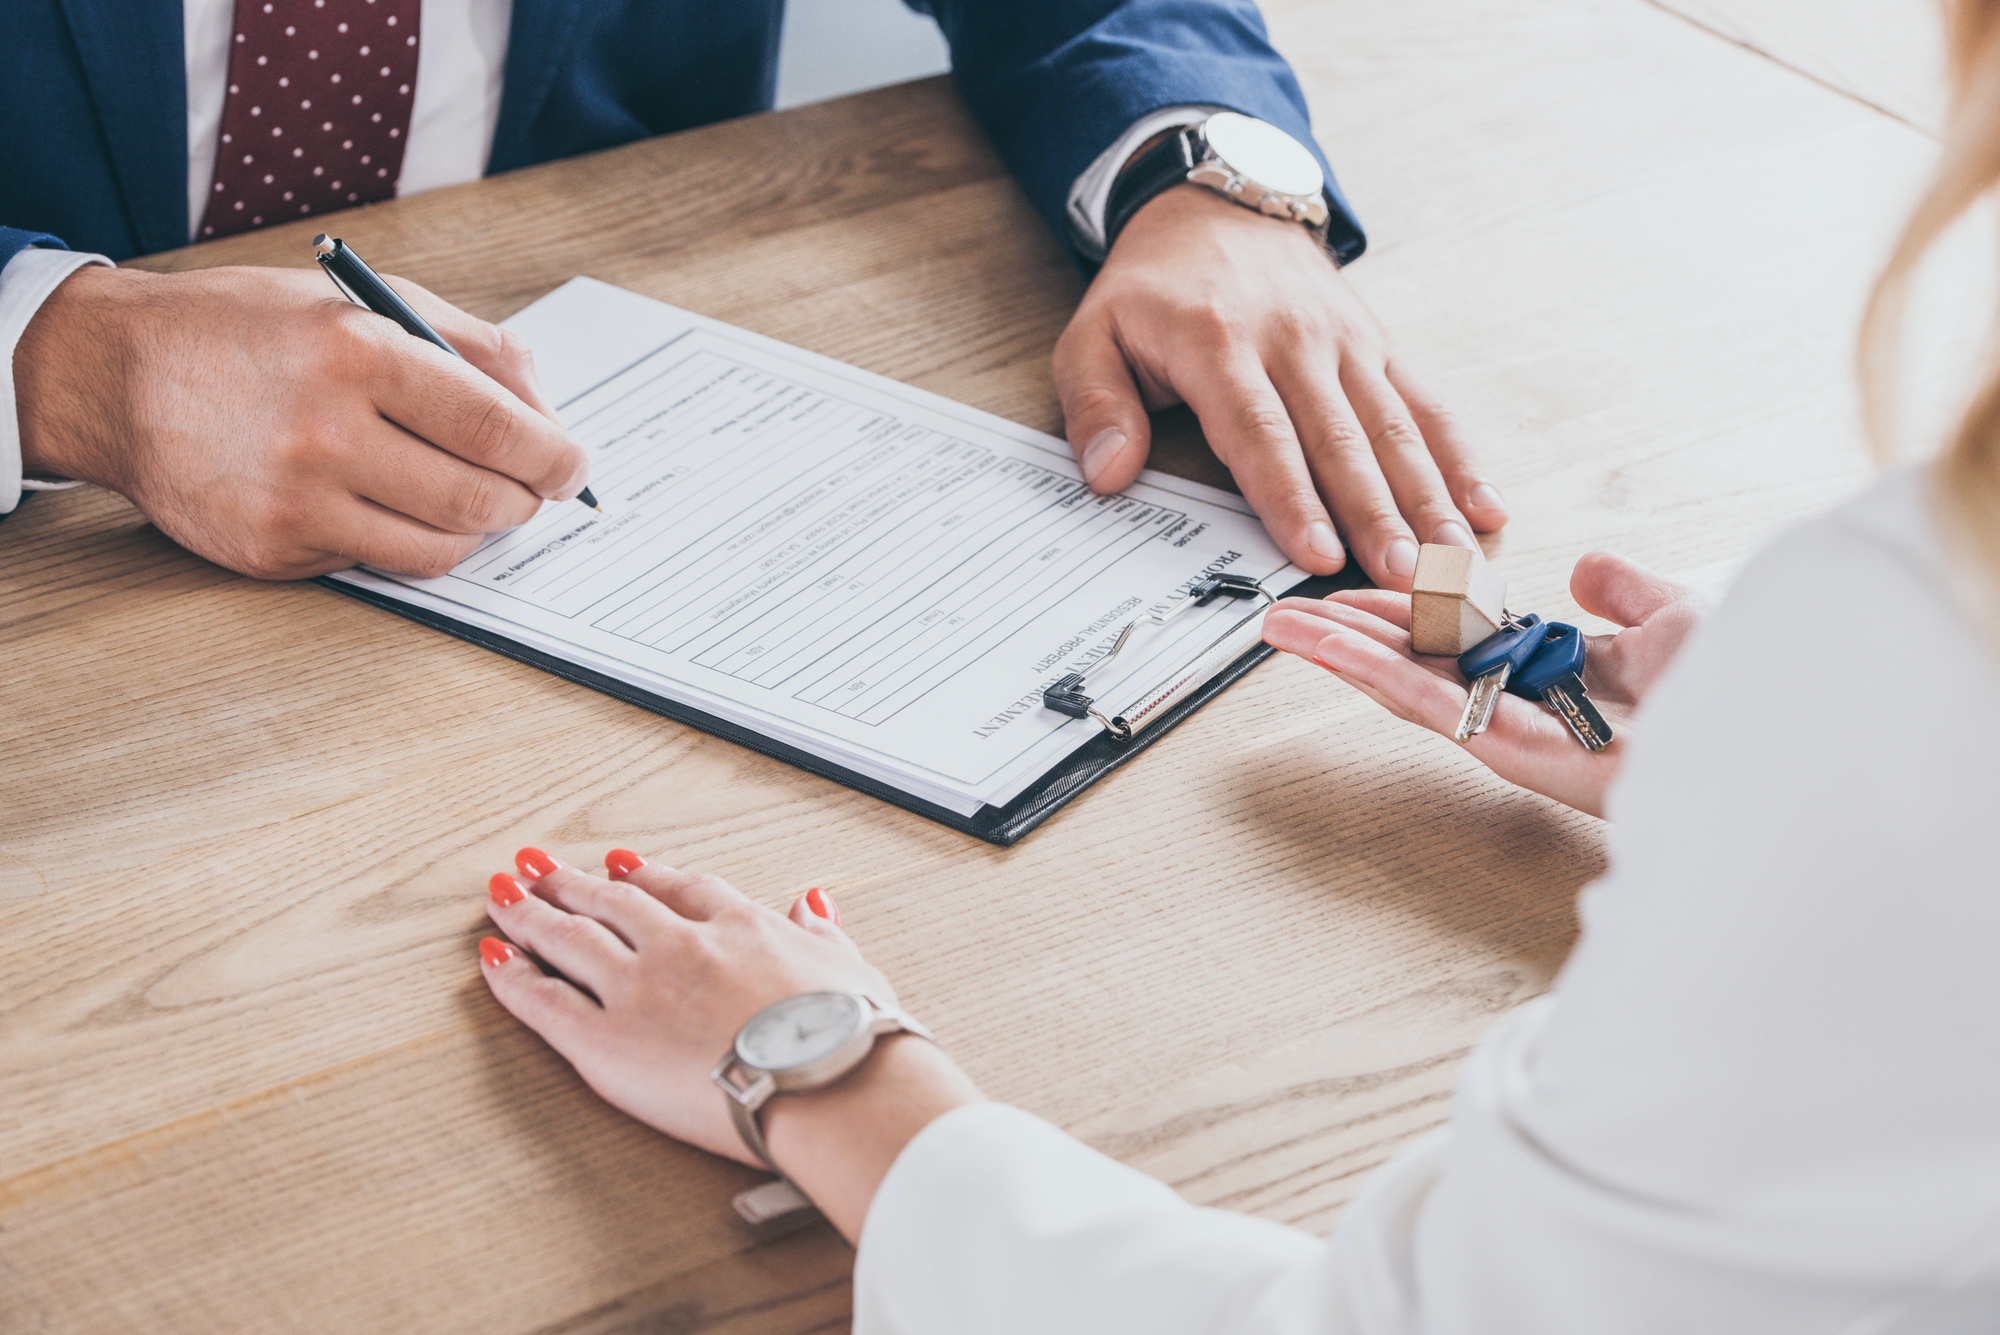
x=24, y=285
x=1090, y=194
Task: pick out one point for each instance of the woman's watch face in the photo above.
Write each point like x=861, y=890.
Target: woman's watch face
x=799, y=1030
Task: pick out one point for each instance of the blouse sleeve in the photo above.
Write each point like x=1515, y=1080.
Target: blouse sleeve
x=993, y=1222
x=1759, y=1099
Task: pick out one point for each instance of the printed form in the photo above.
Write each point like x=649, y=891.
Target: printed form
x=853, y=567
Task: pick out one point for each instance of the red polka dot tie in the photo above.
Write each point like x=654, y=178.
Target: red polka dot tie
x=317, y=112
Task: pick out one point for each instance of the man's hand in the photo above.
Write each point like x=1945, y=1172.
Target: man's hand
x=1243, y=318
x=1364, y=637
x=265, y=423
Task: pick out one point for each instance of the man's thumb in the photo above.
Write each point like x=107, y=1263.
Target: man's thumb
x=1103, y=415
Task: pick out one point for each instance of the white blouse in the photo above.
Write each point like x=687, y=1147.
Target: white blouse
x=1763, y=1097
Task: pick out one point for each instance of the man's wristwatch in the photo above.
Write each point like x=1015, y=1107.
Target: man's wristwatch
x=802, y=1043
x=1240, y=158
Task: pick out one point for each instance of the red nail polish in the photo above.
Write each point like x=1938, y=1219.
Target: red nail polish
x=534, y=863
x=623, y=861
x=506, y=891
x=820, y=902
x=493, y=952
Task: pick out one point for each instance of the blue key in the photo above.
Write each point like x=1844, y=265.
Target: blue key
x=1489, y=664
x=1554, y=675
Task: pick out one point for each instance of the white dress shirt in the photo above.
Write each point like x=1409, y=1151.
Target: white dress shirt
x=460, y=59
x=460, y=62
x=1761, y=1099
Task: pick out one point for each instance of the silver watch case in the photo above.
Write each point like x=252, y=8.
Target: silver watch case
x=1260, y=167
x=750, y=1086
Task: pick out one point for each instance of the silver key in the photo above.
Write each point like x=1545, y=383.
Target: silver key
x=1486, y=692
x=1572, y=705
x=1490, y=665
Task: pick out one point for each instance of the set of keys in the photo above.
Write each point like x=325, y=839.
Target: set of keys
x=1536, y=660
x=1457, y=608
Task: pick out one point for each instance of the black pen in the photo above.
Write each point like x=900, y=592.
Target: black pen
x=364, y=287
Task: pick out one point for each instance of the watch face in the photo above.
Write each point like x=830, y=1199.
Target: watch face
x=1263, y=153
x=799, y=1030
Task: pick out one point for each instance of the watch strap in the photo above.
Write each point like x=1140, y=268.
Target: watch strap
x=1154, y=172
x=744, y=1114
x=746, y=1100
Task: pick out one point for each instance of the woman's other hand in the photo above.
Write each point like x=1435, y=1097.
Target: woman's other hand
x=1363, y=636
x=658, y=970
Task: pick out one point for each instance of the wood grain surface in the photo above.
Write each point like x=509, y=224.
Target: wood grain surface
x=252, y=1080
x=1886, y=53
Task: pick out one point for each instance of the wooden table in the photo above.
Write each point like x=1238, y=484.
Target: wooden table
x=250, y=1076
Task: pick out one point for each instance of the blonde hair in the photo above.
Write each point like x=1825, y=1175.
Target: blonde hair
x=1967, y=471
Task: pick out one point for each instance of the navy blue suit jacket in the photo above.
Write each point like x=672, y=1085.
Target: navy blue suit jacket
x=93, y=121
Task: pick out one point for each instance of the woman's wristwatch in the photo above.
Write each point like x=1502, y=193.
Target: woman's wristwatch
x=802, y=1043
x=1243, y=159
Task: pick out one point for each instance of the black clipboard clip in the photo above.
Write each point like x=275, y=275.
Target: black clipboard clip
x=1067, y=695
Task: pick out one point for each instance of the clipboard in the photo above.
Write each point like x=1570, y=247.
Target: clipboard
x=1192, y=687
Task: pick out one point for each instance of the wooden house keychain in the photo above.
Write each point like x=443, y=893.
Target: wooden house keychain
x=1458, y=609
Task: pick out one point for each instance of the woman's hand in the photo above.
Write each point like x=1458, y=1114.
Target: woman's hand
x=1364, y=637
x=659, y=969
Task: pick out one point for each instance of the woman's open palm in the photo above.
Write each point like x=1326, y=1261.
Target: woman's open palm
x=1363, y=636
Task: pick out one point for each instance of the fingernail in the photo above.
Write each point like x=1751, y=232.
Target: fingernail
x=494, y=953
x=1451, y=533
x=1100, y=452
x=1401, y=558
x=506, y=891
x=820, y=902
x=1486, y=496
x=623, y=861
x=1323, y=541
x=534, y=863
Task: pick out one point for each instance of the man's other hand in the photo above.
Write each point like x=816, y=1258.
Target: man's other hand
x=265, y=423
x=1244, y=319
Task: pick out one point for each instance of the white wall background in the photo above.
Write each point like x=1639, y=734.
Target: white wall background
x=831, y=47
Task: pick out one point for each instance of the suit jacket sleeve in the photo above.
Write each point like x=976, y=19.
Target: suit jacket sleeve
x=1055, y=82
x=13, y=241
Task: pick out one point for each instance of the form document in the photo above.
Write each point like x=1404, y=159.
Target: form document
x=853, y=567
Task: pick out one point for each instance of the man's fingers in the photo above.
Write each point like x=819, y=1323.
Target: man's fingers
x=370, y=534
x=400, y=472
x=1477, y=498
x=500, y=353
x=1624, y=592
x=1103, y=415
x=1341, y=464
x=455, y=407
x=1403, y=453
x=1250, y=428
